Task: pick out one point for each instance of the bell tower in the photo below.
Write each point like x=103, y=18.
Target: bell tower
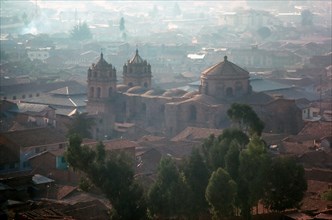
x=101, y=93
x=137, y=72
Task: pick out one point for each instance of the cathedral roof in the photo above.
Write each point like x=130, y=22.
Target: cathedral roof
x=225, y=68
x=136, y=90
x=174, y=93
x=101, y=62
x=136, y=59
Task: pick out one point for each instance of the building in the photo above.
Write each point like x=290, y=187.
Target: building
x=157, y=111
x=23, y=144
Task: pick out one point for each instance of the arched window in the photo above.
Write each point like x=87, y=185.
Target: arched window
x=192, y=113
x=110, y=91
x=92, y=92
x=145, y=85
x=98, y=92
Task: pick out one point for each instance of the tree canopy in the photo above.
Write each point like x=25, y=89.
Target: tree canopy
x=245, y=118
x=113, y=174
x=81, y=125
x=220, y=193
x=168, y=196
x=285, y=185
x=81, y=32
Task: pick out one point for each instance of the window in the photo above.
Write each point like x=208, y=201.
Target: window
x=110, y=91
x=23, y=96
x=130, y=84
x=145, y=85
x=14, y=97
x=92, y=92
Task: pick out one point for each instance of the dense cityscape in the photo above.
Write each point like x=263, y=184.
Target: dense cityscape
x=166, y=109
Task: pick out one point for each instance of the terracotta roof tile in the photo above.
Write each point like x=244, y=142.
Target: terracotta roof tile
x=35, y=137
x=196, y=134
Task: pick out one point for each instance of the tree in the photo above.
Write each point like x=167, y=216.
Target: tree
x=214, y=149
x=113, y=174
x=122, y=24
x=168, y=195
x=197, y=178
x=252, y=175
x=232, y=161
x=285, y=185
x=81, y=125
x=81, y=32
x=306, y=18
x=220, y=193
x=246, y=119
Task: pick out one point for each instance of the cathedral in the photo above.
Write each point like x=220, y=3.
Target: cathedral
x=168, y=112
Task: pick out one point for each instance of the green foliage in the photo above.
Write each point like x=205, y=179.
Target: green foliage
x=252, y=174
x=81, y=32
x=246, y=119
x=232, y=161
x=85, y=184
x=168, y=197
x=122, y=24
x=220, y=193
x=214, y=149
x=197, y=177
x=113, y=174
x=285, y=185
x=327, y=195
x=81, y=125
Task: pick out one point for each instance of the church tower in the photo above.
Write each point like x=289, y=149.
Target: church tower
x=101, y=93
x=137, y=72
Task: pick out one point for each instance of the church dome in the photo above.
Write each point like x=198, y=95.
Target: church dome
x=136, y=90
x=174, y=93
x=154, y=92
x=225, y=80
x=225, y=69
x=137, y=59
x=190, y=94
x=102, y=64
x=122, y=88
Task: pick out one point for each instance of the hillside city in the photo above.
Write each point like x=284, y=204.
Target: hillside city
x=166, y=109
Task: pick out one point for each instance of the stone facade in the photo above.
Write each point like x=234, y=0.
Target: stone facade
x=169, y=112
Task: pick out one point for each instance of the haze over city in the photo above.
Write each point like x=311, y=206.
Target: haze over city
x=166, y=109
